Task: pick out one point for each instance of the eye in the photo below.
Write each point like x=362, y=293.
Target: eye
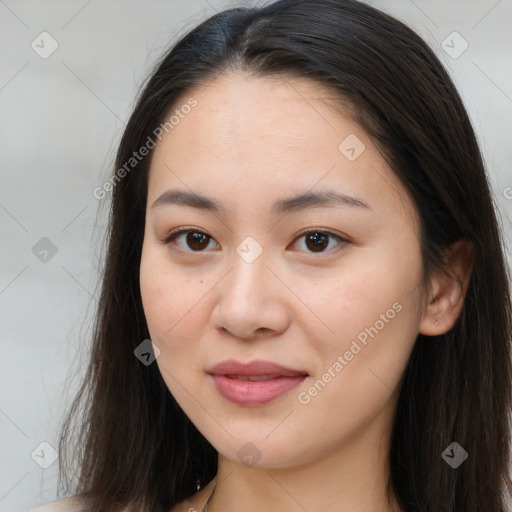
x=197, y=240
x=315, y=240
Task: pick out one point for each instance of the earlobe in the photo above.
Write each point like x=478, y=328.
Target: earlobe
x=448, y=289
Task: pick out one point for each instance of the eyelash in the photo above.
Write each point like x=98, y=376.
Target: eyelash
x=174, y=234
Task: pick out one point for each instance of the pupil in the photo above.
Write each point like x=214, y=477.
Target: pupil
x=196, y=238
x=317, y=243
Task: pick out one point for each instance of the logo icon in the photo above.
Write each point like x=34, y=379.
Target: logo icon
x=44, y=250
x=249, y=250
x=249, y=455
x=454, y=45
x=351, y=147
x=454, y=455
x=44, y=455
x=147, y=352
x=44, y=45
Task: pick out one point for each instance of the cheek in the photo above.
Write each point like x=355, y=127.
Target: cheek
x=369, y=314
x=172, y=308
x=341, y=305
x=171, y=301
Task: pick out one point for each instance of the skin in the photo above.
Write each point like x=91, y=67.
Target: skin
x=249, y=142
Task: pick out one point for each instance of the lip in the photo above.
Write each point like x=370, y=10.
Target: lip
x=254, y=368
x=254, y=393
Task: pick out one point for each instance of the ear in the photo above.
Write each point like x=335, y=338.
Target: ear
x=448, y=290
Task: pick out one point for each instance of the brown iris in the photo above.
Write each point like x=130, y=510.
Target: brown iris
x=318, y=239
x=197, y=241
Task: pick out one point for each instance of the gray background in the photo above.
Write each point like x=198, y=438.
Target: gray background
x=61, y=120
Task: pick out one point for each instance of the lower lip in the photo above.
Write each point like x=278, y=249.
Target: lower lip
x=253, y=393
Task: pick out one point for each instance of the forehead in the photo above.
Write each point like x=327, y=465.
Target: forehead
x=263, y=134
x=238, y=108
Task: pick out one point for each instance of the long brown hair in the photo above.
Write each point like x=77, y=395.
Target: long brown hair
x=134, y=446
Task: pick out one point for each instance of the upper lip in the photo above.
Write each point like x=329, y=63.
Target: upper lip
x=253, y=368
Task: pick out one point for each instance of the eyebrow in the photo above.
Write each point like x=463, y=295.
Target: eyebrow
x=292, y=204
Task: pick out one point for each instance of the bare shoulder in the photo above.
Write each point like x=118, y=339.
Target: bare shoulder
x=71, y=504
x=196, y=502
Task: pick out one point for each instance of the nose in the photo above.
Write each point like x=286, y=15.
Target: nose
x=251, y=301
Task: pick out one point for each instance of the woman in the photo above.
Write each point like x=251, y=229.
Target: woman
x=305, y=304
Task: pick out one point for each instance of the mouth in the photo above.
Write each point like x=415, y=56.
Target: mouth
x=253, y=393
x=256, y=383
x=257, y=368
x=254, y=378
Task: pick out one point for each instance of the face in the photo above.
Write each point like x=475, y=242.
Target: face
x=331, y=290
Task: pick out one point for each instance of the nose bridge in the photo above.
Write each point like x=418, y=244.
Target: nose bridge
x=249, y=277
x=247, y=299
